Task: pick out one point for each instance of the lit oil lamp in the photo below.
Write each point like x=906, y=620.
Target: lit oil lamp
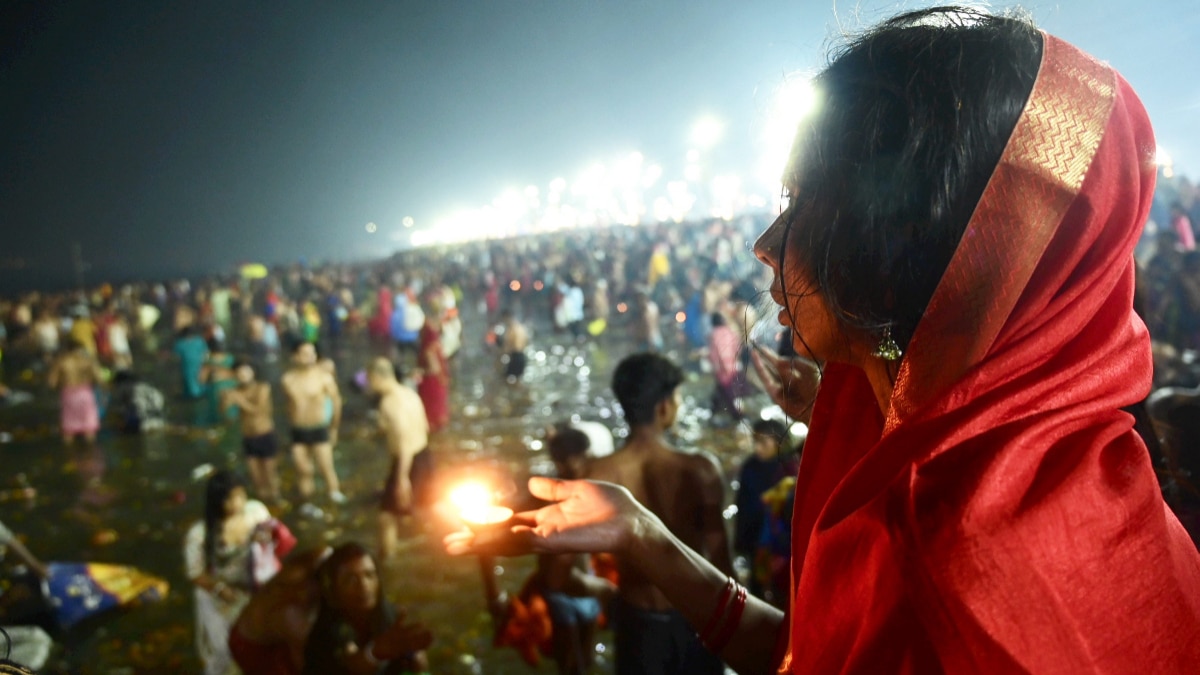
x=477, y=507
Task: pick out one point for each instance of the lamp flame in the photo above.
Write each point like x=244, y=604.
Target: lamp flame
x=476, y=505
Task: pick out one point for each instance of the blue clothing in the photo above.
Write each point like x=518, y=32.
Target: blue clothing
x=697, y=325
x=570, y=610
x=399, y=310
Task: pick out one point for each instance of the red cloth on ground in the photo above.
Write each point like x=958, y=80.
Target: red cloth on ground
x=1005, y=516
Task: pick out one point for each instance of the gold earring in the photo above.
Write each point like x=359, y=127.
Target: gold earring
x=888, y=350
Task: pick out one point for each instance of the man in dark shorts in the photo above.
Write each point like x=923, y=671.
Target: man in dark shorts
x=253, y=401
x=310, y=389
x=406, y=433
x=687, y=491
x=516, y=339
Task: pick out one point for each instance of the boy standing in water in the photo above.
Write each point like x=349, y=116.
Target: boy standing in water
x=76, y=375
x=253, y=402
x=307, y=387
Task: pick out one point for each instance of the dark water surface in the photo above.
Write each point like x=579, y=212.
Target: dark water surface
x=139, y=492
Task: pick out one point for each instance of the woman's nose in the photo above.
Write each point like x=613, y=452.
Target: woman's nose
x=770, y=242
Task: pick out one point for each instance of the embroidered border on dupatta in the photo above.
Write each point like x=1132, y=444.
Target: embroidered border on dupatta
x=1038, y=177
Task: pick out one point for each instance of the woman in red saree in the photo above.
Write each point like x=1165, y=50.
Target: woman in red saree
x=434, y=386
x=381, y=321
x=957, y=252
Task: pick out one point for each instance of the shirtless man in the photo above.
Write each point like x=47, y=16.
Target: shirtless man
x=307, y=386
x=75, y=374
x=516, y=339
x=686, y=490
x=253, y=401
x=406, y=432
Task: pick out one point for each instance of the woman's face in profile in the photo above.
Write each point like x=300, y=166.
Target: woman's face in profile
x=815, y=332
x=357, y=585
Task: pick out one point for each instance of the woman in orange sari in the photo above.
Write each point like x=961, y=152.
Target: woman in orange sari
x=957, y=254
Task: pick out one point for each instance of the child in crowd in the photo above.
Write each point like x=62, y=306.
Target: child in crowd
x=772, y=462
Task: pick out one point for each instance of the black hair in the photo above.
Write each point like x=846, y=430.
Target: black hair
x=328, y=571
x=125, y=376
x=297, y=344
x=773, y=429
x=641, y=382
x=717, y=319
x=568, y=442
x=913, y=117
x=216, y=492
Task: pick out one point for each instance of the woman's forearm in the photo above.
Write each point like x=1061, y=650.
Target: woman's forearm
x=694, y=587
x=29, y=559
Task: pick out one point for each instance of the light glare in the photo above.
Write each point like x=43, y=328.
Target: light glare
x=707, y=132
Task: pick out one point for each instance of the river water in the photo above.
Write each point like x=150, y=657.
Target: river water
x=131, y=500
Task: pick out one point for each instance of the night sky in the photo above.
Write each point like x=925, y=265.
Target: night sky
x=172, y=138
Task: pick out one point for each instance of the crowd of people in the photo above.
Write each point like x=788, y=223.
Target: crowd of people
x=226, y=335
x=674, y=298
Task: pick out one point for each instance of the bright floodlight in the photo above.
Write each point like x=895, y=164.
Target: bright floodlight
x=408, y=221
x=707, y=132
x=795, y=99
x=371, y=227
x=651, y=175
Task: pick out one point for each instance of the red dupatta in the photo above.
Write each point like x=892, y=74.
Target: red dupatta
x=1005, y=517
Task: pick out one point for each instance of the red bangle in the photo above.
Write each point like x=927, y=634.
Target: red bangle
x=735, y=618
x=715, y=619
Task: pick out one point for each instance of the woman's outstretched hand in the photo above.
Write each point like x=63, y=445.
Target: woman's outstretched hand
x=584, y=517
x=401, y=638
x=791, y=382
